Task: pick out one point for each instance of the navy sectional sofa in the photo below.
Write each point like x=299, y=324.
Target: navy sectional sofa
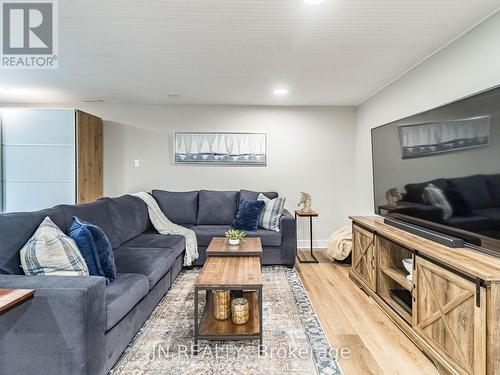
x=80, y=325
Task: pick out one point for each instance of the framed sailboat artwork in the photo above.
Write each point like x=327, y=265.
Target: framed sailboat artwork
x=220, y=148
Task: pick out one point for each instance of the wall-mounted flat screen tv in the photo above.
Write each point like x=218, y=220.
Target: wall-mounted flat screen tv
x=441, y=169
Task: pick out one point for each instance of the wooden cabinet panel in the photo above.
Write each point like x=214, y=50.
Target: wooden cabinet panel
x=89, y=171
x=493, y=328
x=446, y=315
x=363, y=256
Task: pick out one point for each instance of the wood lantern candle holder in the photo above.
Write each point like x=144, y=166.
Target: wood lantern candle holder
x=239, y=311
x=222, y=302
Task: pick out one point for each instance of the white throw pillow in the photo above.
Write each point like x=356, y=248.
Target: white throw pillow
x=50, y=252
x=269, y=217
x=435, y=196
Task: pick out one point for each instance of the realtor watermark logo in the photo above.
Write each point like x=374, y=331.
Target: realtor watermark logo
x=29, y=34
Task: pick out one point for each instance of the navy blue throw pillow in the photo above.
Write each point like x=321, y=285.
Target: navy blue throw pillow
x=95, y=248
x=247, y=215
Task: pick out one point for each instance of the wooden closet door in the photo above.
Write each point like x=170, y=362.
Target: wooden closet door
x=89, y=157
x=363, y=256
x=446, y=315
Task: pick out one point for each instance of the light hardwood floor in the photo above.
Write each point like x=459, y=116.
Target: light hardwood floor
x=351, y=319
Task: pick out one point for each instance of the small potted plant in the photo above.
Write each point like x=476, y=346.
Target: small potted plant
x=235, y=236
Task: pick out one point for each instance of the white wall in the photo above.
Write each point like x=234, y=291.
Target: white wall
x=309, y=149
x=469, y=65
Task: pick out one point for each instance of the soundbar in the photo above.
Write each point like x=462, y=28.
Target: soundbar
x=428, y=234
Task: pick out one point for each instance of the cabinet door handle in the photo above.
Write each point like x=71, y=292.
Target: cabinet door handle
x=478, y=292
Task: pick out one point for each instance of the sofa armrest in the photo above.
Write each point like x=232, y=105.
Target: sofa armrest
x=59, y=331
x=288, y=238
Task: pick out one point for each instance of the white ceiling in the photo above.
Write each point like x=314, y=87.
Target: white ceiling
x=237, y=51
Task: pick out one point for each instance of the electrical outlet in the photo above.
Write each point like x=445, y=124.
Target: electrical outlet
x=137, y=163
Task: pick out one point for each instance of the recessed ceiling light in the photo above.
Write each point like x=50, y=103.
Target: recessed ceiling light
x=280, y=91
x=314, y=2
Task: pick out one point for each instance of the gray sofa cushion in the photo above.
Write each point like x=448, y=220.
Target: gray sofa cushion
x=253, y=195
x=122, y=295
x=494, y=186
x=130, y=217
x=491, y=213
x=471, y=223
x=205, y=233
x=216, y=207
x=179, y=207
x=152, y=238
x=16, y=229
x=474, y=190
x=120, y=336
x=153, y=263
x=96, y=213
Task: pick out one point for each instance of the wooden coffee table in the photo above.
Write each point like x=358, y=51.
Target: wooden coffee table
x=248, y=246
x=9, y=298
x=241, y=273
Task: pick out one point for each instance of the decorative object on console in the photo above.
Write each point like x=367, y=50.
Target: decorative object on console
x=304, y=201
x=239, y=311
x=235, y=235
x=222, y=302
x=269, y=217
x=247, y=216
x=95, y=248
x=50, y=252
x=432, y=138
x=220, y=148
x=393, y=196
x=408, y=265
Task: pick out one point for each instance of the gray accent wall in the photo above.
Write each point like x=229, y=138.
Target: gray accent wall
x=468, y=65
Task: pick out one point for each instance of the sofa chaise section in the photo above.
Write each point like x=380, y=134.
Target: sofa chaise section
x=86, y=323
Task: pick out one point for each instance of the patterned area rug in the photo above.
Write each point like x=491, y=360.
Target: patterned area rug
x=294, y=341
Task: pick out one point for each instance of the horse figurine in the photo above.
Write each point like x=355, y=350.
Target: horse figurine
x=304, y=201
x=393, y=196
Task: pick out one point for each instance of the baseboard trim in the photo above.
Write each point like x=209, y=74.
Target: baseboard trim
x=316, y=244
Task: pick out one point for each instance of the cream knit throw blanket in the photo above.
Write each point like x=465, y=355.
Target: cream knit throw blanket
x=165, y=226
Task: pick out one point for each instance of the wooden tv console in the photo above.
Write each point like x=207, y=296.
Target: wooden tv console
x=451, y=309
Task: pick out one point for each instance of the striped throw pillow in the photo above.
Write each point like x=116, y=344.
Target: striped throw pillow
x=50, y=252
x=269, y=217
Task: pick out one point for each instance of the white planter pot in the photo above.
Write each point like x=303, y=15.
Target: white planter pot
x=234, y=242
